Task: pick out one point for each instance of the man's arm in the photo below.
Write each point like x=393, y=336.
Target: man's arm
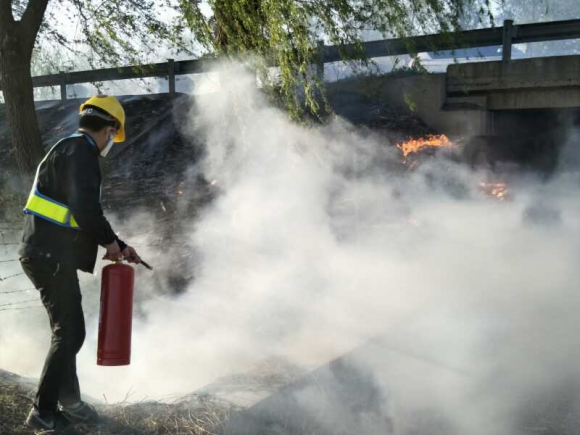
x=82, y=179
x=83, y=183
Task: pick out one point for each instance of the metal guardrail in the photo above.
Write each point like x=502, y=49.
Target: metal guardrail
x=506, y=36
x=168, y=69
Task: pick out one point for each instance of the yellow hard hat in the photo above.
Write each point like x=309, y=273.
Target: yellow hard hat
x=112, y=107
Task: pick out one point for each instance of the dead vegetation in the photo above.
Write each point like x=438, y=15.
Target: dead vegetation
x=15, y=401
x=192, y=415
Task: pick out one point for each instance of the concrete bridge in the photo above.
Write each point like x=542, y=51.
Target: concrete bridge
x=474, y=99
x=484, y=99
x=516, y=111
x=538, y=83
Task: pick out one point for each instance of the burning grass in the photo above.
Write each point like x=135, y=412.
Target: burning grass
x=498, y=190
x=192, y=415
x=413, y=146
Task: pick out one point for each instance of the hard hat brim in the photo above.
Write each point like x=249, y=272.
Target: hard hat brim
x=120, y=135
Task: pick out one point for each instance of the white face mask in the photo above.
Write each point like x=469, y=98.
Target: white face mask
x=109, y=145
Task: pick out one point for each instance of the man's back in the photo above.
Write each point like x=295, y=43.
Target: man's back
x=70, y=175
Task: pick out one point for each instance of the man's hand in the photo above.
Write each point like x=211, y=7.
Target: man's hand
x=131, y=255
x=113, y=252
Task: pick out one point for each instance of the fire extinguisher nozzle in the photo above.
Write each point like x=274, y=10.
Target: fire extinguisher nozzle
x=146, y=265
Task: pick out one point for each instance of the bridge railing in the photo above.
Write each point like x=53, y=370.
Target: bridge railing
x=506, y=35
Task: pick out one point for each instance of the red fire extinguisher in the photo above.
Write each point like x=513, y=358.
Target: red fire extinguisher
x=116, y=318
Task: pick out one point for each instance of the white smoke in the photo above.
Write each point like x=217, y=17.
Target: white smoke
x=315, y=246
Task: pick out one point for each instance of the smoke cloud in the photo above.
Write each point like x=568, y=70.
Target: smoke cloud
x=315, y=245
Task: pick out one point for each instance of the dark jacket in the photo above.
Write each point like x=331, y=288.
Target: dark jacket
x=70, y=175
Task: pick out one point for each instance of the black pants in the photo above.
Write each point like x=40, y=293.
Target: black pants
x=61, y=296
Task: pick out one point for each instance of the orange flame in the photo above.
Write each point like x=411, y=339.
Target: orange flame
x=414, y=145
x=498, y=190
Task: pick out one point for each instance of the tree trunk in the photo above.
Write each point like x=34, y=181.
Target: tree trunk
x=17, y=40
x=19, y=96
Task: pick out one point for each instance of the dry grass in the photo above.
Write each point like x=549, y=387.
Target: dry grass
x=193, y=415
x=15, y=400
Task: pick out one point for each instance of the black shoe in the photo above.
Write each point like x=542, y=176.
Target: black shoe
x=81, y=413
x=49, y=423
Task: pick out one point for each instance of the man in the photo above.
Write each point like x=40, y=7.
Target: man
x=63, y=227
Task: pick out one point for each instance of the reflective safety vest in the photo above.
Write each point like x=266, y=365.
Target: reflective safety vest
x=47, y=208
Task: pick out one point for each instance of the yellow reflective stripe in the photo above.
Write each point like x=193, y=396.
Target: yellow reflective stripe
x=44, y=207
x=47, y=209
